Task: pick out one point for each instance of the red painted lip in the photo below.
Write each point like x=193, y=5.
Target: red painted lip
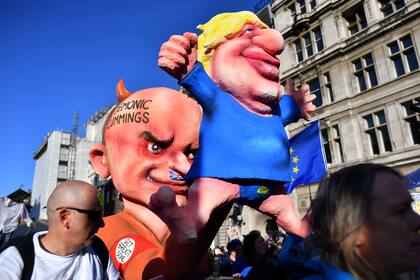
x=179, y=187
x=266, y=64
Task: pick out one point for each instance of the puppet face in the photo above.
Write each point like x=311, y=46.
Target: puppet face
x=246, y=65
x=150, y=142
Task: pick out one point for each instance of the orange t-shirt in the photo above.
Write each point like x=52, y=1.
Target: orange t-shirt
x=134, y=249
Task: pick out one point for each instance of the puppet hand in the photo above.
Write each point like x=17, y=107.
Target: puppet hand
x=281, y=208
x=164, y=205
x=302, y=98
x=178, y=55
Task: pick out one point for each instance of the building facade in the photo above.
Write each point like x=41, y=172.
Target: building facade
x=60, y=157
x=56, y=160
x=361, y=59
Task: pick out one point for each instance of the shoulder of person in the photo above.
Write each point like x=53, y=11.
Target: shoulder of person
x=11, y=263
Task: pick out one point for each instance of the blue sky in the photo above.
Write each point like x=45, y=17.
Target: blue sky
x=62, y=56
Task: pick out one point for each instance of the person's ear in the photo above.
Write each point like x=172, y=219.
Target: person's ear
x=361, y=238
x=64, y=218
x=98, y=160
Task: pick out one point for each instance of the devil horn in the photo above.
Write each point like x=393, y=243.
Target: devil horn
x=122, y=92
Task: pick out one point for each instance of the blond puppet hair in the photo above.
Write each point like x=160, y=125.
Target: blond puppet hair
x=221, y=27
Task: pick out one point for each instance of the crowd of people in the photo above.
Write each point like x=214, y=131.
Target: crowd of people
x=362, y=227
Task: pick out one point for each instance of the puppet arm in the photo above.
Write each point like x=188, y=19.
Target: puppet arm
x=178, y=55
x=290, y=111
x=201, y=86
x=178, y=58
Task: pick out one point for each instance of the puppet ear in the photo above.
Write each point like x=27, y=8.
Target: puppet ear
x=122, y=92
x=98, y=160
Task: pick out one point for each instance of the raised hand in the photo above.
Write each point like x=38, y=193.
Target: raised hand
x=163, y=204
x=302, y=98
x=178, y=55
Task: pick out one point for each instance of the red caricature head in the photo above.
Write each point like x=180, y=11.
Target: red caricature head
x=149, y=141
x=239, y=53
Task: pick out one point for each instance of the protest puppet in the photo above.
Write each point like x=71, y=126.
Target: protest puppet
x=149, y=141
x=233, y=72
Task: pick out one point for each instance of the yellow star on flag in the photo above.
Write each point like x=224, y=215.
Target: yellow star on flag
x=295, y=170
x=291, y=150
x=295, y=159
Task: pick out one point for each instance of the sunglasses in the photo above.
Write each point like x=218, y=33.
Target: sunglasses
x=93, y=215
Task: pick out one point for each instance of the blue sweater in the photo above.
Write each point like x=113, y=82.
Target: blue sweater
x=234, y=142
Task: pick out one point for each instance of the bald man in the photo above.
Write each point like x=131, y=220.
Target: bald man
x=65, y=251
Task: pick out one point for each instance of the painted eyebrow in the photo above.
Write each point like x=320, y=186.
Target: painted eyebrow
x=152, y=138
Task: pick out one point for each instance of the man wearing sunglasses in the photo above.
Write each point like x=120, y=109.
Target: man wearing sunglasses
x=66, y=250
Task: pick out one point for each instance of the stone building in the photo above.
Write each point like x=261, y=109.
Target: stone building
x=60, y=157
x=361, y=59
x=56, y=160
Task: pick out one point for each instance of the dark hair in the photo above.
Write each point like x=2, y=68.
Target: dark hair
x=338, y=213
x=248, y=249
x=233, y=244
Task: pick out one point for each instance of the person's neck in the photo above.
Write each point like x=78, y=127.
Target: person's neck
x=233, y=256
x=56, y=244
x=149, y=219
x=379, y=270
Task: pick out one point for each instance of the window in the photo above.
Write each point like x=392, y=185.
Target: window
x=292, y=9
x=59, y=180
x=338, y=149
x=403, y=56
x=328, y=87
x=413, y=119
x=309, y=44
x=315, y=88
x=65, y=139
x=62, y=171
x=327, y=147
x=322, y=88
x=64, y=153
x=302, y=6
x=318, y=39
x=377, y=132
x=312, y=3
x=332, y=144
x=298, y=47
x=356, y=19
x=364, y=71
x=389, y=7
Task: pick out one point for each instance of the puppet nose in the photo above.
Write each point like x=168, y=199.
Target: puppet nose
x=180, y=164
x=270, y=40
